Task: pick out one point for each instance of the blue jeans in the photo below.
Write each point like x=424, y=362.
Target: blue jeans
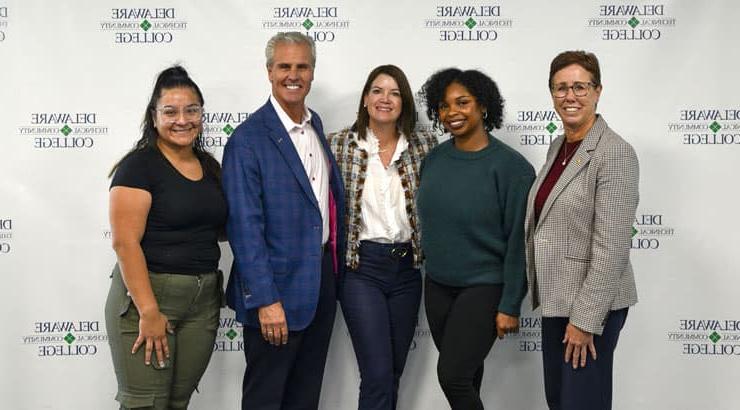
x=380, y=303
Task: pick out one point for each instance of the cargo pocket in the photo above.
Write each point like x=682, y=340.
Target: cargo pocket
x=123, y=302
x=220, y=286
x=132, y=401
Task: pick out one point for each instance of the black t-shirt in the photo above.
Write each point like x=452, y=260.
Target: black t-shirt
x=185, y=217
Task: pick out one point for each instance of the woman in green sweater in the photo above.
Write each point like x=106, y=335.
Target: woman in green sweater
x=471, y=201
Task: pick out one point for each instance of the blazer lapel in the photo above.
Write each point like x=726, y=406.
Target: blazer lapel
x=577, y=163
x=282, y=141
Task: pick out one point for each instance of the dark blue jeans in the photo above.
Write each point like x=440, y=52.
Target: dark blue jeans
x=380, y=303
x=586, y=388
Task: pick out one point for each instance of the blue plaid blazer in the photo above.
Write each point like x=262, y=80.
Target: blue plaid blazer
x=274, y=225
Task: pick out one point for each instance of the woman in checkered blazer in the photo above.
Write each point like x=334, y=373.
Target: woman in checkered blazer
x=578, y=228
x=379, y=159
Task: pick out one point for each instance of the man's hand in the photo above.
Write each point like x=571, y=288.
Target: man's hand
x=273, y=324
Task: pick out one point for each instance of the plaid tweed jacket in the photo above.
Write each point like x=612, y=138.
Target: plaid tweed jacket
x=352, y=161
x=578, y=262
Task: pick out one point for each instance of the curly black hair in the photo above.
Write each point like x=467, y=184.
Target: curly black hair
x=481, y=86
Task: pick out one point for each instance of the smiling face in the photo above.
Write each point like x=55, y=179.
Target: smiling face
x=291, y=74
x=178, y=117
x=577, y=113
x=460, y=112
x=383, y=100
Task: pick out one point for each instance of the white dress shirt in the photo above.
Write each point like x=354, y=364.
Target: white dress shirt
x=383, y=209
x=312, y=155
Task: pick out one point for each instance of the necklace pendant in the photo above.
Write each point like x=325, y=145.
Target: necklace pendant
x=564, y=161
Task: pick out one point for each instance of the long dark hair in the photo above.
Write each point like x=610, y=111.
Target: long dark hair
x=407, y=120
x=172, y=77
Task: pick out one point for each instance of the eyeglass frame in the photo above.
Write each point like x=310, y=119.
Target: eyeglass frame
x=588, y=84
x=184, y=112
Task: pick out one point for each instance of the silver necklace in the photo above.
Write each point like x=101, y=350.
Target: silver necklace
x=565, y=152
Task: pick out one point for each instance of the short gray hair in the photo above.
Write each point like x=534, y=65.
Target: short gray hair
x=292, y=37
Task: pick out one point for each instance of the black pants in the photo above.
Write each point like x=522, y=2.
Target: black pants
x=380, y=302
x=585, y=388
x=289, y=376
x=463, y=326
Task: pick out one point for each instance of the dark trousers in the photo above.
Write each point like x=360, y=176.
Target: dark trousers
x=380, y=303
x=289, y=376
x=586, y=388
x=463, y=326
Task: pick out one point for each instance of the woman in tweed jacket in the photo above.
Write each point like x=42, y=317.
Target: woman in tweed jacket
x=379, y=159
x=578, y=228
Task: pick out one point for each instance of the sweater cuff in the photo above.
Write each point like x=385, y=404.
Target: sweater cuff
x=510, y=307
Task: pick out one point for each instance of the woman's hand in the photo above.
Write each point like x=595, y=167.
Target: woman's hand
x=578, y=344
x=153, y=329
x=506, y=324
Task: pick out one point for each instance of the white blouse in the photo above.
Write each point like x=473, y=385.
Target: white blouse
x=384, y=217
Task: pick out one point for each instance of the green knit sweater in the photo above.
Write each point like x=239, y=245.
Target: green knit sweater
x=471, y=208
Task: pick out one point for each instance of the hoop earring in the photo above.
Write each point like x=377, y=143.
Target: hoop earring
x=485, y=114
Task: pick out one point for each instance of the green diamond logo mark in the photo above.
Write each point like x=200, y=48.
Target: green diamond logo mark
x=551, y=128
x=633, y=22
x=228, y=129
x=69, y=338
x=145, y=25
x=307, y=24
x=66, y=130
x=634, y=231
x=471, y=23
x=714, y=337
x=231, y=334
x=715, y=127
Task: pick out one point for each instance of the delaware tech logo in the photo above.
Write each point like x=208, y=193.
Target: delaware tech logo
x=529, y=338
x=218, y=126
x=58, y=339
x=229, y=335
x=707, y=337
x=53, y=130
x=706, y=126
x=3, y=22
x=320, y=23
x=468, y=22
x=143, y=25
x=6, y=234
x=649, y=232
x=535, y=127
x=630, y=22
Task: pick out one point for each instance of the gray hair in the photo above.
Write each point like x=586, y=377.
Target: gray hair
x=292, y=37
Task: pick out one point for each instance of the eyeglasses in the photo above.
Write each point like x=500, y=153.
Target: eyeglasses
x=191, y=112
x=579, y=89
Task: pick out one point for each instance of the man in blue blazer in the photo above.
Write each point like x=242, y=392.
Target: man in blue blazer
x=285, y=197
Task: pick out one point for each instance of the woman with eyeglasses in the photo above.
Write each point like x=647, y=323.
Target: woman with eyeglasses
x=380, y=292
x=167, y=211
x=578, y=229
x=471, y=200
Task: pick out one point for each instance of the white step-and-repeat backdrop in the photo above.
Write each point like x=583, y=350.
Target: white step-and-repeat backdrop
x=76, y=76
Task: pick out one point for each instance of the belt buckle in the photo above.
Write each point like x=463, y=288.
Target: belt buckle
x=399, y=252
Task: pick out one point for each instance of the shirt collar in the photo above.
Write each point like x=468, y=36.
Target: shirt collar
x=285, y=119
x=371, y=145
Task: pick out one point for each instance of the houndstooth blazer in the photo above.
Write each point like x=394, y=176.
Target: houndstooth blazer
x=577, y=254
x=352, y=161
